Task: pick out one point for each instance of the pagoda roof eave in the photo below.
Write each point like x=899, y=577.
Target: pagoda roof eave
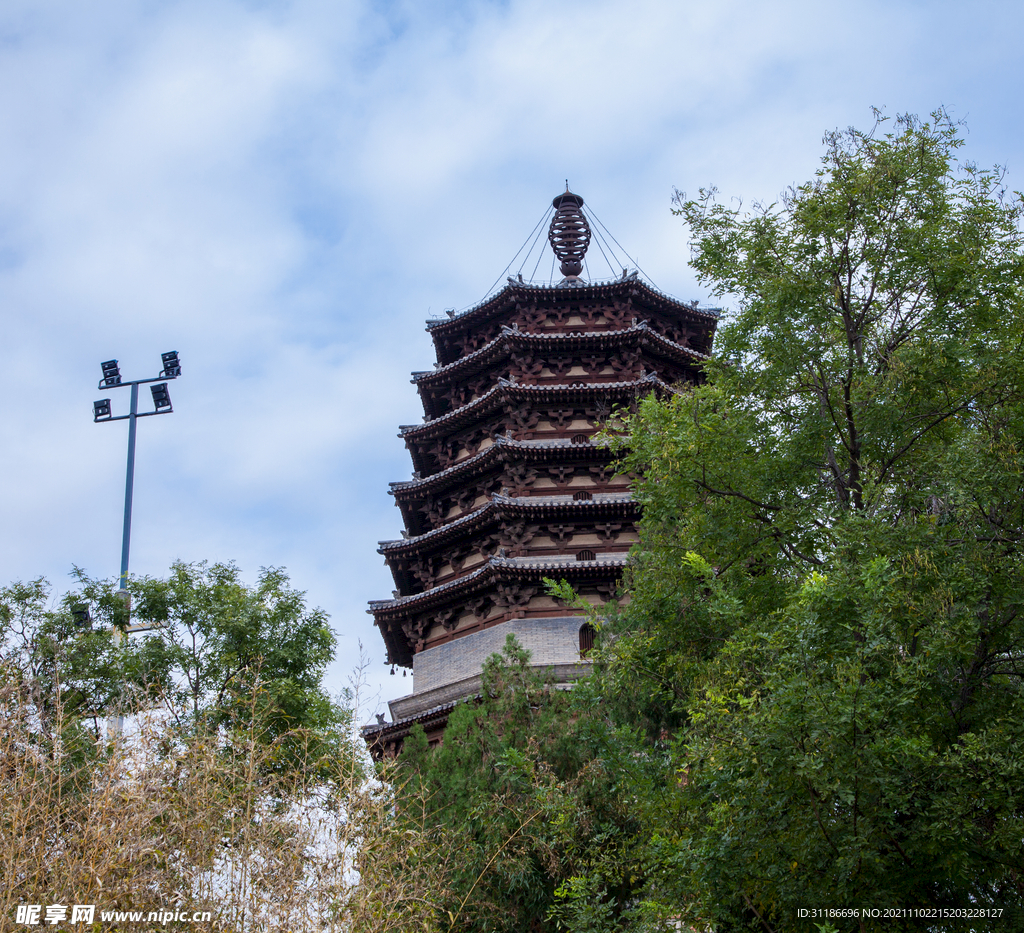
x=510, y=336
x=600, y=289
x=380, y=730
x=502, y=447
x=495, y=570
x=499, y=505
x=505, y=388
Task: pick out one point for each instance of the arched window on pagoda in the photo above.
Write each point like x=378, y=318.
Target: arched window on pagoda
x=586, y=639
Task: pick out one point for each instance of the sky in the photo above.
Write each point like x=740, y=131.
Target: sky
x=284, y=192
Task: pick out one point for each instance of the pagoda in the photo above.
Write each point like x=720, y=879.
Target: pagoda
x=509, y=485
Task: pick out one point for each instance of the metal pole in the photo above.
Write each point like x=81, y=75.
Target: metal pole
x=127, y=534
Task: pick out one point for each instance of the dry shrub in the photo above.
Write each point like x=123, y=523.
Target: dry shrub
x=156, y=820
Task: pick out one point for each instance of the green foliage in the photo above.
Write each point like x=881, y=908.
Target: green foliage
x=527, y=791
x=218, y=655
x=63, y=655
x=216, y=638
x=825, y=624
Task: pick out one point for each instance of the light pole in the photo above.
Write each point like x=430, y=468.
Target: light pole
x=161, y=406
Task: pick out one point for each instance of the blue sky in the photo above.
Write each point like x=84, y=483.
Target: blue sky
x=283, y=192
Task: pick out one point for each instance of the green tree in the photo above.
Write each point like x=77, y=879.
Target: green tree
x=65, y=655
x=217, y=638
x=525, y=799
x=218, y=654
x=825, y=625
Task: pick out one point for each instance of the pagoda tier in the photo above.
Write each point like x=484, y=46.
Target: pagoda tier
x=573, y=308
x=520, y=412
x=510, y=486
x=497, y=591
x=506, y=526
x=539, y=467
x=444, y=571
x=554, y=359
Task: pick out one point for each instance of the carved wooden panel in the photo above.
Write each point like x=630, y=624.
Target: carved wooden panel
x=559, y=313
x=533, y=317
x=560, y=364
x=561, y=416
x=434, y=509
x=443, y=451
x=456, y=396
x=470, y=440
x=524, y=417
x=480, y=386
x=425, y=571
x=608, y=531
x=457, y=556
x=514, y=595
x=466, y=497
x=415, y=632
x=527, y=364
x=447, y=619
x=490, y=487
x=618, y=316
x=625, y=362
x=520, y=478
x=469, y=342
x=515, y=536
x=487, y=545
x=561, y=532
x=562, y=474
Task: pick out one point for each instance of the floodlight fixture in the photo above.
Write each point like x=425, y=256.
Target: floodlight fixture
x=162, y=406
x=161, y=397
x=111, y=373
x=172, y=367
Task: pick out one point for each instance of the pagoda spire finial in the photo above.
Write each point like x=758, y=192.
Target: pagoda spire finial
x=569, y=234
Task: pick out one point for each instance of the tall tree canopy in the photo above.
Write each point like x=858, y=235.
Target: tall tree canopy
x=825, y=626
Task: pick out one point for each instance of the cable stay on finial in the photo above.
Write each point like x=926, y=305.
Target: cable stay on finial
x=608, y=235
x=572, y=228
